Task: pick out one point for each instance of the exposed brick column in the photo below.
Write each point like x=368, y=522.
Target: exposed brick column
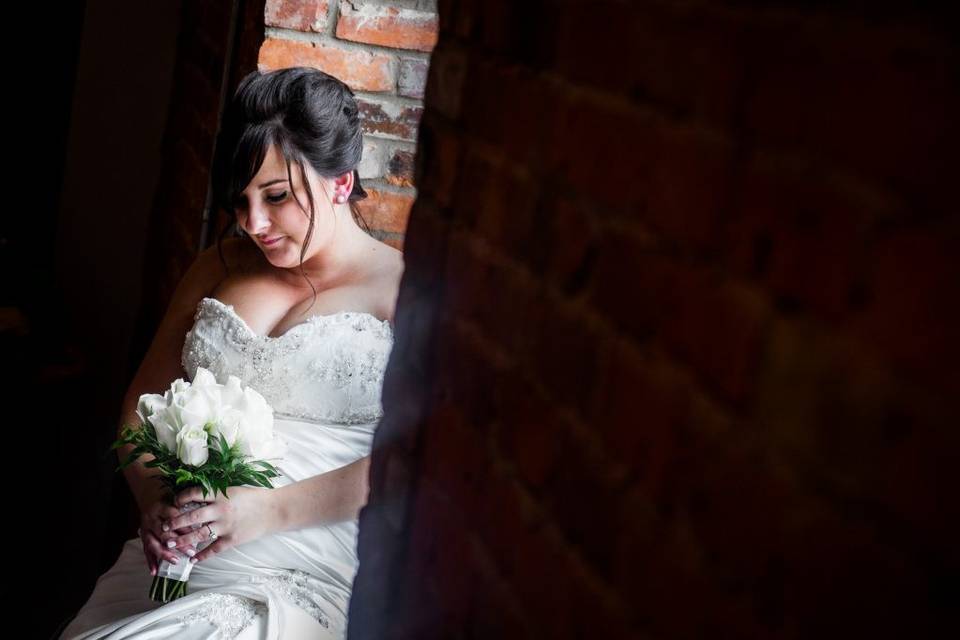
x=677, y=342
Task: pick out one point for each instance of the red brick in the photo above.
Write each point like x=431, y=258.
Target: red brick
x=426, y=239
x=386, y=210
x=299, y=15
x=386, y=118
x=527, y=439
x=690, y=187
x=568, y=354
x=437, y=160
x=412, y=77
x=595, y=142
x=639, y=309
x=466, y=374
x=522, y=131
x=524, y=298
x=584, y=500
x=503, y=206
x=440, y=555
x=912, y=318
x=360, y=70
x=446, y=77
x=400, y=168
x=396, y=27
x=681, y=63
x=718, y=329
x=841, y=111
x=796, y=232
x=464, y=278
x=643, y=442
x=571, y=235
x=496, y=613
x=828, y=562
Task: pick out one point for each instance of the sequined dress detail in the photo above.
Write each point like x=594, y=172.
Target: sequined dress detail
x=323, y=378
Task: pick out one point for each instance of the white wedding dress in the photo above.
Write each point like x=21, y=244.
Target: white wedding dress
x=323, y=379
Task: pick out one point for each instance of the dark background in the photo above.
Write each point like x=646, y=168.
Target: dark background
x=86, y=99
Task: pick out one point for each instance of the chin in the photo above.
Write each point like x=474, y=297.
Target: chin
x=282, y=260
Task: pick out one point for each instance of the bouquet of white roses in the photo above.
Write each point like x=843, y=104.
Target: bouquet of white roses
x=202, y=434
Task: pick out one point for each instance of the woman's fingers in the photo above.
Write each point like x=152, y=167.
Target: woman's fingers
x=191, y=539
x=189, y=520
x=150, y=564
x=210, y=550
x=160, y=551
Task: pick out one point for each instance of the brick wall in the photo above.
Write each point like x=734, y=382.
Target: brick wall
x=381, y=49
x=677, y=341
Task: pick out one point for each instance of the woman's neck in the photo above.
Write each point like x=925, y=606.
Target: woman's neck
x=339, y=262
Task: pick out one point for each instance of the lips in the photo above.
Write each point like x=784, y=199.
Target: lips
x=269, y=241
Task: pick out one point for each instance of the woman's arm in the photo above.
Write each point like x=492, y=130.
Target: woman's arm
x=252, y=512
x=325, y=498
x=161, y=364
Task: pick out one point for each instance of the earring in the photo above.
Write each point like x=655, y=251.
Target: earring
x=341, y=198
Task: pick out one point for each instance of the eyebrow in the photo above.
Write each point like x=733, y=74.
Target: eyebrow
x=267, y=184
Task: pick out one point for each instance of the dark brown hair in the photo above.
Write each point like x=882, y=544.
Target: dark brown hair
x=310, y=116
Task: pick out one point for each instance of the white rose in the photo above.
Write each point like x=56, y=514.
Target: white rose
x=203, y=378
x=199, y=405
x=271, y=449
x=166, y=423
x=192, y=446
x=149, y=404
x=232, y=392
x=256, y=425
x=228, y=425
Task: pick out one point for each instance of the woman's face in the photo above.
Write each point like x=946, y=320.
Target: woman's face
x=267, y=211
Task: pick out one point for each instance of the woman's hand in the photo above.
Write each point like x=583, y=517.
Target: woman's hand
x=249, y=512
x=155, y=511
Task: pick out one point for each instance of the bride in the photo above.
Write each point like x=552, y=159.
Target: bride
x=301, y=310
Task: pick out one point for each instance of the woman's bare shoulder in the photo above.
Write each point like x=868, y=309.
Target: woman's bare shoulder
x=386, y=276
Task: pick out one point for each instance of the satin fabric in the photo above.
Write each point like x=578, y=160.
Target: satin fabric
x=119, y=606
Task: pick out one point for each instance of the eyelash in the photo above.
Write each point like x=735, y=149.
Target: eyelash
x=271, y=199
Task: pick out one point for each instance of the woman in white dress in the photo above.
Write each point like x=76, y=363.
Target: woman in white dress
x=301, y=310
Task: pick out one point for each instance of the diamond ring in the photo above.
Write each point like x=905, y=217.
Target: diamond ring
x=213, y=536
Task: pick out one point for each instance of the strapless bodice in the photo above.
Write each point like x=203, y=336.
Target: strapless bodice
x=327, y=369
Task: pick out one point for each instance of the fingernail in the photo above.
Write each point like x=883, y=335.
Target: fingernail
x=174, y=560
x=166, y=527
x=193, y=561
x=191, y=552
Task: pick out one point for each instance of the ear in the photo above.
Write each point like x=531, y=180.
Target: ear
x=344, y=182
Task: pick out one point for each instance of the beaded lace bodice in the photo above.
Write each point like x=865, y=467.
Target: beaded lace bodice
x=328, y=368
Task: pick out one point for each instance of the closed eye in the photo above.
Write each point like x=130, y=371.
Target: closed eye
x=278, y=198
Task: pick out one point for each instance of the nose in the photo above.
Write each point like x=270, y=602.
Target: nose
x=257, y=221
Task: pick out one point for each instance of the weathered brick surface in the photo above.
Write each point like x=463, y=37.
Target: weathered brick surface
x=387, y=119
x=681, y=280
x=387, y=25
x=412, y=78
x=380, y=50
x=362, y=70
x=385, y=210
x=299, y=15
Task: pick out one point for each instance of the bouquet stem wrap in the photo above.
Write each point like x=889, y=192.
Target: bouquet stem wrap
x=171, y=580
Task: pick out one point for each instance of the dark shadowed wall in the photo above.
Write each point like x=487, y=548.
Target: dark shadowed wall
x=677, y=342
